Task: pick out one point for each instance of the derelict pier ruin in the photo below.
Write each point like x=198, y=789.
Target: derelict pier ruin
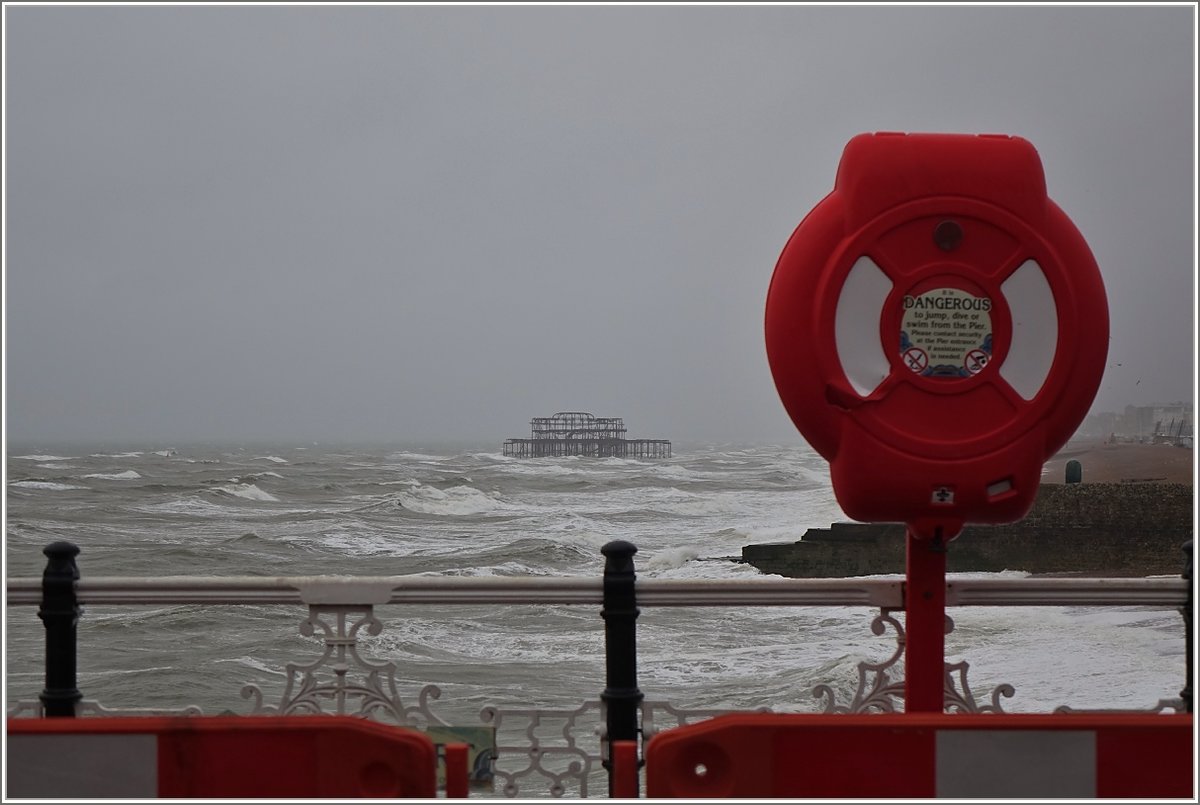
x=578, y=433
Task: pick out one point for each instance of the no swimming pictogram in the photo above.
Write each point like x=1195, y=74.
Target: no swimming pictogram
x=975, y=361
x=916, y=359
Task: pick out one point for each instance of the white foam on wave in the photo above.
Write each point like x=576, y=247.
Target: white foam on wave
x=409, y=456
x=128, y=475
x=46, y=458
x=459, y=640
x=250, y=478
x=691, y=564
x=455, y=501
x=709, y=504
x=248, y=492
x=276, y=459
x=364, y=543
x=544, y=470
x=675, y=472
x=404, y=482
x=58, y=466
x=88, y=674
x=49, y=486
x=1082, y=657
x=502, y=570
x=254, y=664
x=117, y=455
x=745, y=533
x=192, y=506
x=671, y=558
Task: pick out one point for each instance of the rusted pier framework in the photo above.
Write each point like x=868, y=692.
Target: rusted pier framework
x=578, y=433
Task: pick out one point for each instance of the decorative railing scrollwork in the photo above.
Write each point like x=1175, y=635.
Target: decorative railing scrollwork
x=876, y=689
x=551, y=747
x=308, y=690
x=881, y=685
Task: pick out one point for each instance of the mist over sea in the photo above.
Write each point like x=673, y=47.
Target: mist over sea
x=148, y=511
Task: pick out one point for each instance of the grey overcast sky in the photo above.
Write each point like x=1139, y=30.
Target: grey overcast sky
x=411, y=223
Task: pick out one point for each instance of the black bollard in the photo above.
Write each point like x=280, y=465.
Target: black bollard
x=621, y=697
x=1074, y=472
x=60, y=613
x=1186, y=611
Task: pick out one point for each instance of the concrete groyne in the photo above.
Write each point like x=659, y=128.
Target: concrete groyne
x=1093, y=529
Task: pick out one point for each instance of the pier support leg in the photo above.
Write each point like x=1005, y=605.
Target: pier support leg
x=925, y=624
x=60, y=614
x=622, y=698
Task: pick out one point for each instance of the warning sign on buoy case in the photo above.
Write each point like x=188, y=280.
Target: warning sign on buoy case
x=946, y=332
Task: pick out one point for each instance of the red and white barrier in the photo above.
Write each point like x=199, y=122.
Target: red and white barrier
x=211, y=757
x=925, y=755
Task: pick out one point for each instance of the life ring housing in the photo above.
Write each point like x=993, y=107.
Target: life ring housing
x=937, y=328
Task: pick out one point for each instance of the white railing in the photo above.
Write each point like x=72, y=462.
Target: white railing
x=377, y=590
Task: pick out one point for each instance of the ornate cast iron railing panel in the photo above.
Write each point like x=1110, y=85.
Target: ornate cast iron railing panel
x=881, y=684
x=562, y=747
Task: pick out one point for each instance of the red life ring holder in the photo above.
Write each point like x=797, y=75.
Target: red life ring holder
x=937, y=328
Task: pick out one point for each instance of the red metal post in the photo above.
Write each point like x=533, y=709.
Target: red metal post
x=924, y=624
x=457, y=776
x=624, y=769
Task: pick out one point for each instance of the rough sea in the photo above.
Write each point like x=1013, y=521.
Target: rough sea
x=289, y=509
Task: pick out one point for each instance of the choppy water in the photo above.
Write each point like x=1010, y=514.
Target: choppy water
x=306, y=510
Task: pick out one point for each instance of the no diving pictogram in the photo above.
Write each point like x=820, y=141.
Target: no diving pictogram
x=916, y=359
x=975, y=361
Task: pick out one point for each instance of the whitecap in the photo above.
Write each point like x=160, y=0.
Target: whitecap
x=543, y=468
x=46, y=458
x=364, y=544
x=506, y=570
x=455, y=501
x=49, y=486
x=117, y=455
x=276, y=459
x=124, y=672
x=672, y=558
x=699, y=568
x=128, y=475
x=191, y=506
x=252, y=663
x=416, y=457
x=248, y=492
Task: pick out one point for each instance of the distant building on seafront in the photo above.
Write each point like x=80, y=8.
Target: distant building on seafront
x=1169, y=423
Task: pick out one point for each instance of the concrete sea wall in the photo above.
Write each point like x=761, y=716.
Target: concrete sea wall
x=1093, y=529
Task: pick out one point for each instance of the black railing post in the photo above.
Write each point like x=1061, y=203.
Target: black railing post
x=621, y=696
x=1186, y=611
x=60, y=613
